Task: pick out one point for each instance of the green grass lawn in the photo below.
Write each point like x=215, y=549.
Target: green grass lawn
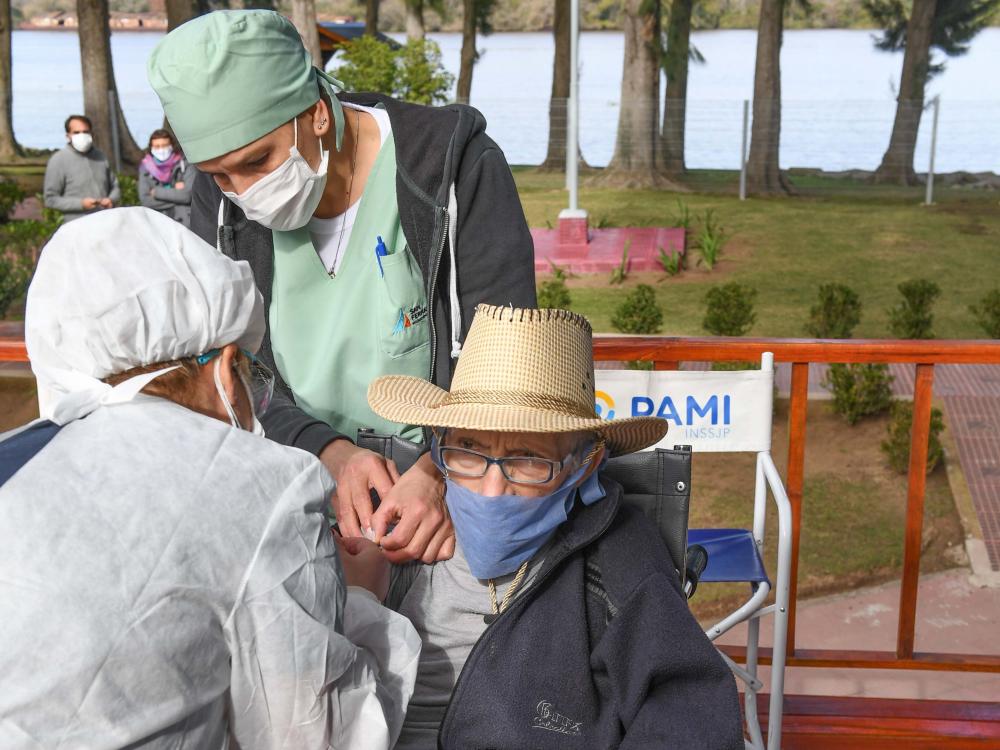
x=866, y=237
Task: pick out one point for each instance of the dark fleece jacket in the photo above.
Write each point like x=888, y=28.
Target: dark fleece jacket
x=599, y=652
x=436, y=147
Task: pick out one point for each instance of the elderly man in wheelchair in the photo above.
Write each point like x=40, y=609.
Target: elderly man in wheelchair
x=560, y=621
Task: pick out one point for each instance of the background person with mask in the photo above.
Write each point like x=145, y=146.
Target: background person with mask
x=168, y=578
x=559, y=622
x=166, y=178
x=78, y=178
x=373, y=228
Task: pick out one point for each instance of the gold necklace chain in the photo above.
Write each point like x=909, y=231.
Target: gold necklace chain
x=350, y=189
x=509, y=594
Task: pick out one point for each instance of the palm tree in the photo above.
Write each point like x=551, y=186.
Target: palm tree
x=99, y=81
x=763, y=173
x=414, y=20
x=475, y=18
x=675, y=65
x=635, y=161
x=555, y=158
x=947, y=25
x=304, y=18
x=10, y=150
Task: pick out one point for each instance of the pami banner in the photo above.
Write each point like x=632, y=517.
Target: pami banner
x=710, y=411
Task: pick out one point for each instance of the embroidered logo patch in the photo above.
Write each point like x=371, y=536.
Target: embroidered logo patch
x=553, y=721
x=402, y=322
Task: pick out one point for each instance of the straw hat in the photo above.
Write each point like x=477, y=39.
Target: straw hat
x=520, y=371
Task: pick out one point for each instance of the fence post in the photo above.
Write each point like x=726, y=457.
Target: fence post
x=929, y=198
x=115, y=142
x=743, y=150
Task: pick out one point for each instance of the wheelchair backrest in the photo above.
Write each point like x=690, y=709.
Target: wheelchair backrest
x=658, y=483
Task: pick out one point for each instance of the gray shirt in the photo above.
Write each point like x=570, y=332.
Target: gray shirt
x=446, y=604
x=71, y=176
x=164, y=197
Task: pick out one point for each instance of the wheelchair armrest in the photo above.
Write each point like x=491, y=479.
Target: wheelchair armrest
x=695, y=562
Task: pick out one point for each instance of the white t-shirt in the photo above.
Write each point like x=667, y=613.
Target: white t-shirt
x=331, y=236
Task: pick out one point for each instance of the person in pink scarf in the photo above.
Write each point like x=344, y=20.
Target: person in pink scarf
x=166, y=177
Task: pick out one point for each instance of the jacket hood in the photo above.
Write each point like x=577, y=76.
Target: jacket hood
x=429, y=130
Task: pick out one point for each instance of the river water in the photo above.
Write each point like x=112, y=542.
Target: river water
x=837, y=95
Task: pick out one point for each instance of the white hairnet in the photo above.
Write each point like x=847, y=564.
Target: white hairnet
x=124, y=288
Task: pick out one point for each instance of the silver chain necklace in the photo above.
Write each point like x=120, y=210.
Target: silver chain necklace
x=350, y=189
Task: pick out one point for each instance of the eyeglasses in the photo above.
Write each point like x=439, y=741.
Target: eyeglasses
x=261, y=383
x=516, y=469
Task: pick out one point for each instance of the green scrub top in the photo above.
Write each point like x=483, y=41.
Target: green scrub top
x=331, y=336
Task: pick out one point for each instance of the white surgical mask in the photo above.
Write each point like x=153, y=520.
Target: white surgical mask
x=82, y=142
x=286, y=198
x=258, y=428
x=162, y=154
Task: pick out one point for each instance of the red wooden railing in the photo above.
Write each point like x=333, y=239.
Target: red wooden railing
x=666, y=353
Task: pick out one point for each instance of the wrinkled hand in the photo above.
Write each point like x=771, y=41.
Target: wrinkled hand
x=107, y=203
x=364, y=565
x=89, y=203
x=416, y=505
x=356, y=471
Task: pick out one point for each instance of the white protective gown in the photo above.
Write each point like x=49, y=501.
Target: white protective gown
x=167, y=581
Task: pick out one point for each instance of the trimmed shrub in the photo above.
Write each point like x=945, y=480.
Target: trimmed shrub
x=912, y=317
x=129, y=186
x=413, y=73
x=987, y=313
x=10, y=195
x=836, y=314
x=554, y=294
x=639, y=312
x=896, y=446
x=15, y=273
x=729, y=309
x=859, y=390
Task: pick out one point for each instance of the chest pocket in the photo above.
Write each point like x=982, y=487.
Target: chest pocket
x=402, y=320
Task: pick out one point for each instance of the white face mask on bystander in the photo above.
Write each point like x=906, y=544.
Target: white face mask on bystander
x=82, y=142
x=286, y=198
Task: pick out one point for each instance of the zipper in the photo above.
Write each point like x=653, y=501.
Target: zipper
x=519, y=602
x=430, y=296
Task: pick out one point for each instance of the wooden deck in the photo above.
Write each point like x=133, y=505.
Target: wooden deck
x=826, y=723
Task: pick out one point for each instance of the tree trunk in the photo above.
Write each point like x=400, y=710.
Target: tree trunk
x=897, y=163
x=634, y=163
x=9, y=148
x=99, y=79
x=179, y=11
x=555, y=158
x=675, y=103
x=371, y=17
x=468, y=59
x=304, y=18
x=763, y=173
x=414, y=20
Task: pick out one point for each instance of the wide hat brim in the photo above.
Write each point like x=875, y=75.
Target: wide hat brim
x=410, y=400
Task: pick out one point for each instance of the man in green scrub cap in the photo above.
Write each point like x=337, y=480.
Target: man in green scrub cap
x=373, y=227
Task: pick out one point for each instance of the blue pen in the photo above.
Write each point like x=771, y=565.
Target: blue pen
x=380, y=250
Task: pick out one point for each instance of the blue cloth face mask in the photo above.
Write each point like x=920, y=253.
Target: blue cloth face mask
x=499, y=533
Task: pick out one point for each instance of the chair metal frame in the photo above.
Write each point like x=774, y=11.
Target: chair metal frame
x=767, y=478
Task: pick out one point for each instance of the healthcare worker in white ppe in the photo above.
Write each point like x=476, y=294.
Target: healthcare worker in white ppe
x=168, y=578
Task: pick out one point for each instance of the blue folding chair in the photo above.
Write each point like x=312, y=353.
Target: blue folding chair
x=727, y=412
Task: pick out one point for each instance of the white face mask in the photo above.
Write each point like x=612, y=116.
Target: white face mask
x=286, y=198
x=82, y=142
x=258, y=428
x=162, y=154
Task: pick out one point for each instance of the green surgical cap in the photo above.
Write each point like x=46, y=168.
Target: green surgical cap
x=230, y=77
